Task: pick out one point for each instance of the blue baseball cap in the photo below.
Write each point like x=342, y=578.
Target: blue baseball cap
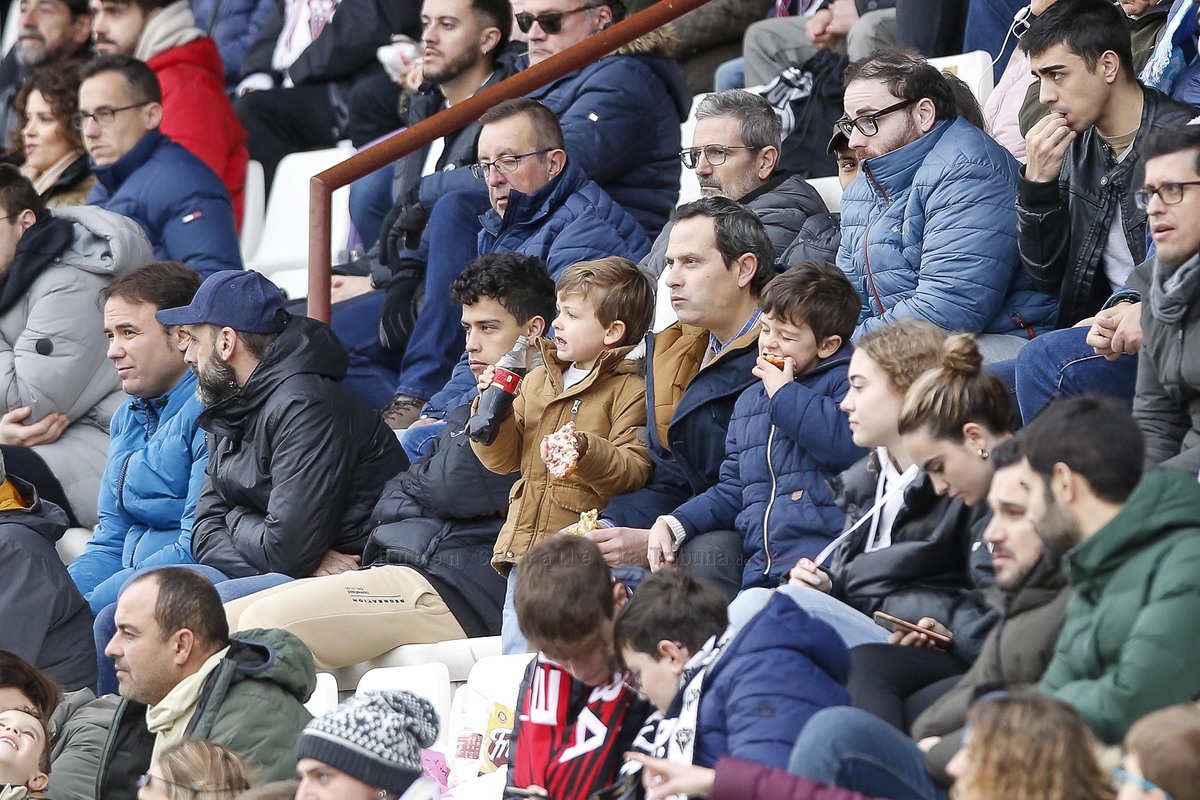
x=240, y=299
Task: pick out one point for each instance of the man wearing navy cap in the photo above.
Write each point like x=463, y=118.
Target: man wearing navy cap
x=296, y=461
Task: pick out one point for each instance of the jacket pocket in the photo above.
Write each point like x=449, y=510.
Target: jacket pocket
x=574, y=499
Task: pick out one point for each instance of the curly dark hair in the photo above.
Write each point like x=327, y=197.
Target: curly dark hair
x=59, y=84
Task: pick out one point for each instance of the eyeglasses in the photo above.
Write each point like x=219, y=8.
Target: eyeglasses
x=103, y=116
x=145, y=780
x=714, y=154
x=551, y=21
x=1169, y=193
x=505, y=165
x=1120, y=776
x=868, y=124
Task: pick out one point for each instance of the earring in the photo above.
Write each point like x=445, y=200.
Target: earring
x=983, y=454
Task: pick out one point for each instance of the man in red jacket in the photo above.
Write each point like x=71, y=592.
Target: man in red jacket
x=196, y=111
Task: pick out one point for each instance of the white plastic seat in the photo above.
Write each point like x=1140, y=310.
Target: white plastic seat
x=499, y=677
x=12, y=26
x=975, y=69
x=284, y=242
x=325, y=697
x=830, y=190
x=689, y=186
x=431, y=681
x=254, y=211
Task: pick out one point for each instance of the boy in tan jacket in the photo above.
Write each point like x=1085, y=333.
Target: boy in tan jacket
x=604, y=310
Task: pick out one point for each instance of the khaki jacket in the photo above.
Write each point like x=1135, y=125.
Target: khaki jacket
x=609, y=407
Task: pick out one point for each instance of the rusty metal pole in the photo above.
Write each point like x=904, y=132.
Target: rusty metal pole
x=452, y=119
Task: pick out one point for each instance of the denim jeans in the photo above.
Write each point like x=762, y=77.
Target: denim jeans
x=853, y=749
x=853, y=626
x=437, y=340
x=512, y=641
x=729, y=75
x=370, y=201
x=988, y=23
x=372, y=371
x=105, y=627
x=1061, y=364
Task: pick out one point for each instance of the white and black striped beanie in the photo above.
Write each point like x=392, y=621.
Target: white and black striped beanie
x=375, y=736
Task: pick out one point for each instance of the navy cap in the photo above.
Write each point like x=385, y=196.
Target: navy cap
x=240, y=299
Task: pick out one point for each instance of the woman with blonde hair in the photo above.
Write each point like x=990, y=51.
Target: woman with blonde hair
x=905, y=548
x=193, y=768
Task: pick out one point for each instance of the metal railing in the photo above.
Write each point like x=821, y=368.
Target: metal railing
x=452, y=119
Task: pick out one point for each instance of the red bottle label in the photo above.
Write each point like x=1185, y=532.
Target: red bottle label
x=508, y=381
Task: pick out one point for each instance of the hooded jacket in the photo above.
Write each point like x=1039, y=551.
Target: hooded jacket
x=620, y=116
x=688, y=411
x=196, y=111
x=1015, y=655
x=783, y=204
x=148, y=495
x=568, y=220
x=49, y=623
x=253, y=703
x=748, y=708
x=296, y=462
x=1064, y=224
x=781, y=453
x=929, y=231
x=1131, y=639
x=53, y=355
x=932, y=567
x=180, y=204
x=1167, y=402
x=607, y=407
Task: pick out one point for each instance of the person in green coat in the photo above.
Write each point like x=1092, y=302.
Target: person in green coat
x=1130, y=548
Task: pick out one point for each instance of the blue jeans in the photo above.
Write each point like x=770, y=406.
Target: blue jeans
x=729, y=75
x=370, y=201
x=437, y=341
x=853, y=749
x=372, y=371
x=105, y=626
x=988, y=22
x=1061, y=364
x=512, y=641
x=853, y=626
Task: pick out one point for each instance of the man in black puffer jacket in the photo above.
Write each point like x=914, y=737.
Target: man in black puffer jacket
x=296, y=461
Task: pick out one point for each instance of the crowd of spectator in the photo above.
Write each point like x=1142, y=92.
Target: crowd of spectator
x=896, y=499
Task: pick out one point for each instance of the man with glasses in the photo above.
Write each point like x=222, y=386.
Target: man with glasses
x=179, y=202
x=1167, y=402
x=929, y=230
x=1081, y=232
x=735, y=154
x=196, y=111
x=539, y=203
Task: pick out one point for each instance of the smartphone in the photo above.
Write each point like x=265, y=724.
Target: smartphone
x=941, y=640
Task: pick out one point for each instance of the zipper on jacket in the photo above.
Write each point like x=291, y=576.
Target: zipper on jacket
x=867, y=240
x=121, y=484
x=770, y=502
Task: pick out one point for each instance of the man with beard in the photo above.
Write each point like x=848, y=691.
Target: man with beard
x=296, y=461
x=1130, y=550
x=931, y=231
x=50, y=30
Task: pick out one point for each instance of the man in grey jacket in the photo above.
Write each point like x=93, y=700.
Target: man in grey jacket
x=57, y=391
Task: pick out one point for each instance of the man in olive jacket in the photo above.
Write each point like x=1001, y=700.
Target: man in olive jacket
x=181, y=677
x=1131, y=552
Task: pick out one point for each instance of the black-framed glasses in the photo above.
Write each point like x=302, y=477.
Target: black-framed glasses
x=195, y=788
x=104, y=115
x=714, y=154
x=550, y=21
x=868, y=124
x=1169, y=193
x=1121, y=776
x=505, y=165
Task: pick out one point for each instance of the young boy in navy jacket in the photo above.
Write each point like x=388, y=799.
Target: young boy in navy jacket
x=787, y=437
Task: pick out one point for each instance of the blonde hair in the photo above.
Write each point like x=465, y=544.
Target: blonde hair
x=1167, y=746
x=903, y=350
x=955, y=392
x=201, y=765
x=617, y=288
x=1030, y=747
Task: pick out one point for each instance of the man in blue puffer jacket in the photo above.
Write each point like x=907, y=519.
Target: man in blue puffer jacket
x=929, y=229
x=158, y=454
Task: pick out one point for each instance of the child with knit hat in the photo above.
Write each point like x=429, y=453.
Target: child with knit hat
x=368, y=748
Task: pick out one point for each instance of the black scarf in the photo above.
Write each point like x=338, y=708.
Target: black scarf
x=45, y=240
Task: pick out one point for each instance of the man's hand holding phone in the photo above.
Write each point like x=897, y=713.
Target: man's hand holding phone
x=926, y=632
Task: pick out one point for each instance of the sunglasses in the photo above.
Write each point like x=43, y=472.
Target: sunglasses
x=550, y=21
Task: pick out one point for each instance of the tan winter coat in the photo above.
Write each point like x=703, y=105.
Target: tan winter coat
x=609, y=407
